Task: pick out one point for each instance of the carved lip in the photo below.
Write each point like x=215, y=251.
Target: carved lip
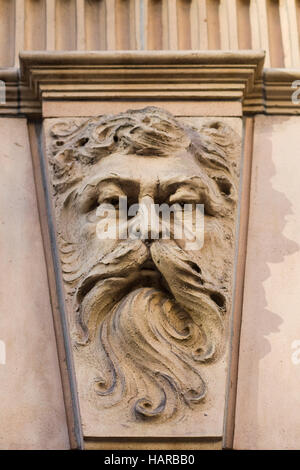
x=149, y=271
x=146, y=270
x=149, y=265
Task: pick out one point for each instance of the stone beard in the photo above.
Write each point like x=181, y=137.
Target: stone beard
x=147, y=316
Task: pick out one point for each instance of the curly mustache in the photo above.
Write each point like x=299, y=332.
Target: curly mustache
x=152, y=333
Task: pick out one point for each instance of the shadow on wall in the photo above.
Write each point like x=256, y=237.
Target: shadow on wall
x=267, y=245
x=270, y=244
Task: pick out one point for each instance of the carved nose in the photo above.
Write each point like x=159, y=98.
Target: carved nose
x=149, y=220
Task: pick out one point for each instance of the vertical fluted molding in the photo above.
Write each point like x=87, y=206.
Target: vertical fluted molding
x=50, y=19
x=122, y=26
x=172, y=24
x=184, y=26
x=137, y=24
x=65, y=25
x=298, y=19
x=228, y=24
x=202, y=24
x=132, y=25
x=144, y=23
x=255, y=33
x=259, y=27
x=194, y=24
x=154, y=24
x=213, y=24
x=244, y=24
x=294, y=32
x=232, y=26
x=7, y=33
x=272, y=25
x=224, y=26
x=110, y=24
x=95, y=25
x=275, y=35
x=125, y=24
x=285, y=33
x=19, y=29
x=288, y=21
x=35, y=25
x=80, y=25
x=165, y=24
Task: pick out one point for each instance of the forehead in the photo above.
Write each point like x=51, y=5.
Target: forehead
x=146, y=168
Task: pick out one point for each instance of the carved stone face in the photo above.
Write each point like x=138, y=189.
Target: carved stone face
x=149, y=313
x=146, y=180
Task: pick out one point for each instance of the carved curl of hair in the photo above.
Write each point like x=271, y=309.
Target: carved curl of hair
x=149, y=132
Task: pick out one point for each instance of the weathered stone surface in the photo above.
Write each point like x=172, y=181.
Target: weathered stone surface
x=85, y=83
x=148, y=317
x=268, y=397
x=32, y=413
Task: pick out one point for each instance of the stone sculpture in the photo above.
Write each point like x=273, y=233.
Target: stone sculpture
x=146, y=314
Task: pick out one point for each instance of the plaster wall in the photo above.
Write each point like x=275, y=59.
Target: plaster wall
x=268, y=400
x=32, y=412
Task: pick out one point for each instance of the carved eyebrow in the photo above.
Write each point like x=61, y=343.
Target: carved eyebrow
x=195, y=180
x=123, y=183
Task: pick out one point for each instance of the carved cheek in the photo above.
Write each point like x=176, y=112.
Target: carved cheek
x=92, y=246
x=89, y=230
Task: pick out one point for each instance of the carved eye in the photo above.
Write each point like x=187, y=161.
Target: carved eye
x=90, y=210
x=93, y=205
x=182, y=203
x=114, y=201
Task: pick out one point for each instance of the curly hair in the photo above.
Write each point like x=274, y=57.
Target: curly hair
x=146, y=132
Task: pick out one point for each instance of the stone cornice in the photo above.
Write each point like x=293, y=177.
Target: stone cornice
x=278, y=91
x=137, y=75
x=11, y=79
x=215, y=76
x=19, y=97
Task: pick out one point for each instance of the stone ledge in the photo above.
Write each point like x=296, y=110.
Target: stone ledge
x=278, y=91
x=135, y=76
x=83, y=79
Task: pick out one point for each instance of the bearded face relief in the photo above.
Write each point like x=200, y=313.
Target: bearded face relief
x=148, y=309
